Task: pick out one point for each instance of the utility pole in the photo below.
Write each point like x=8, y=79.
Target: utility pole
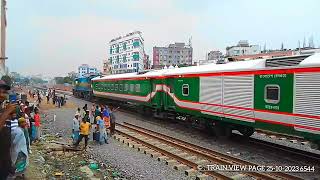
x=3, y=38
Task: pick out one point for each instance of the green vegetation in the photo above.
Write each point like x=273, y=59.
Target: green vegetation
x=7, y=79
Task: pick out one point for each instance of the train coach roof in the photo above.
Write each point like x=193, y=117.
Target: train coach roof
x=231, y=66
x=117, y=76
x=257, y=64
x=313, y=60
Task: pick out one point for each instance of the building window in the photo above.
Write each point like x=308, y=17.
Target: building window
x=185, y=89
x=126, y=87
x=137, y=87
x=131, y=87
x=272, y=94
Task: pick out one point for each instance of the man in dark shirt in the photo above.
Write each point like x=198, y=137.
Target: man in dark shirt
x=5, y=133
x=113, y=120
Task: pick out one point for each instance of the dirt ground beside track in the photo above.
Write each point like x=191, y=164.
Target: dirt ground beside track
x=50, y=157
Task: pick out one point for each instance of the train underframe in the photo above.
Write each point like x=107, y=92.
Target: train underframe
x=220, y=129
x=87, y=95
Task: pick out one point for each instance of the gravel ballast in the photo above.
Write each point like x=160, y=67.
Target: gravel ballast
x=139, y=166
x=129, y=162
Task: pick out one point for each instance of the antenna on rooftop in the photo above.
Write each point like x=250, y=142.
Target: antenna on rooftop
x=190, y=41
x=311, y=45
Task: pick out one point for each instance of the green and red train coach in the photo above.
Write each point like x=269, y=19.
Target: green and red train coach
x=280, y=95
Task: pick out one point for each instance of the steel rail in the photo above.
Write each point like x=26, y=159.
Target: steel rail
x=209, y=154
x=171, y=155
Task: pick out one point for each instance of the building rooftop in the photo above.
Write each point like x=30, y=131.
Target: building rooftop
x=176, y=45
x=241, y=43
x=129, y=34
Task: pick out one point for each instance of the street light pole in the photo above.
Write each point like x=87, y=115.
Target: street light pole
x=3, y=38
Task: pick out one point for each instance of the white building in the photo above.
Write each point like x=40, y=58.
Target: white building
x=242, y=48
x=126, y=53
x=86, y=69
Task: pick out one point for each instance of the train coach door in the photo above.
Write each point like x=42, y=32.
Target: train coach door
x=155, y=98
x=273, y=93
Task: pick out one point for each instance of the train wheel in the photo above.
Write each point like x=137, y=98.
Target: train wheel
x=315, y=145
x=246, y=131
x=222, y=132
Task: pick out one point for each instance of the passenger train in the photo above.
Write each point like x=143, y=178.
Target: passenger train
x=280, y=95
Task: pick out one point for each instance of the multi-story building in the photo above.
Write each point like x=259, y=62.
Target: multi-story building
x=86, y=69
x=242, y=48
x=213, y=57
x=126, y=54
x=174, y=54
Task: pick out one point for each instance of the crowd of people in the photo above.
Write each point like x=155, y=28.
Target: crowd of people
x=50, y=93
x=20, y=126
x=99, y=119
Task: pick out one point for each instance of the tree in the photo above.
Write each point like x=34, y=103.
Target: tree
x=7, y=79
x=25, y=81
x=59, y=80
x=37, y=80
x=67, y=79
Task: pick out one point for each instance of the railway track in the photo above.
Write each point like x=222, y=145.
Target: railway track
x=187, y=156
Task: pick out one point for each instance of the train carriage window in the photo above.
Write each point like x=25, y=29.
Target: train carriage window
x=185, y=89
x=137, y=87
x=272, y=94
x=108, y=87
x=120, y=87
x=112, y=86
x=116, y=87
x=131, y=87
x=126, y=87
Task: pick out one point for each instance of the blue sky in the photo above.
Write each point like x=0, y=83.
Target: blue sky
x=54, y=37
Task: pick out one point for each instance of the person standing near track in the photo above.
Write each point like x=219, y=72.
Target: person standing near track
x=96, y=113
x=106, y=117
x=112, y=120
x=84, y=133
x=37, y=124
x=19, y=152
x=102, y=130
x=92, y=110
x=48, y=96
x=75, y=128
